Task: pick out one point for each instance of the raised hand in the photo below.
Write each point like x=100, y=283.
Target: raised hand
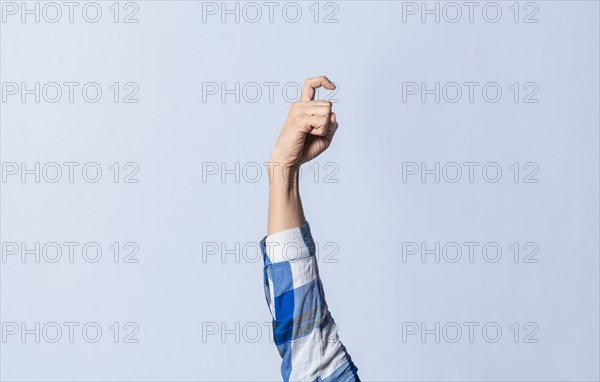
x=309, y=128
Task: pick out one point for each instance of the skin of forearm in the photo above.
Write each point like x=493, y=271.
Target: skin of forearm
x=307, y=132
x=285, y=205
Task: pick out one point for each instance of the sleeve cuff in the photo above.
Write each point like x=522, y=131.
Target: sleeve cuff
x=288, y=245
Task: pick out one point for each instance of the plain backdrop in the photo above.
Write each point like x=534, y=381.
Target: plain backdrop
x=194, y=301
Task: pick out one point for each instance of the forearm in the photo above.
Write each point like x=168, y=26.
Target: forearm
x=303, y=329
x=285, y=205
x=294, y=290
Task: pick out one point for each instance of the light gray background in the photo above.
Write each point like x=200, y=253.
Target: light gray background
x=367, y=214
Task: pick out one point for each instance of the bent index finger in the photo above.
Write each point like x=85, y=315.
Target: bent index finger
x=312, y=84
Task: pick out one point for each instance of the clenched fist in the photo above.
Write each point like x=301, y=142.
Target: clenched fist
x=309, y=128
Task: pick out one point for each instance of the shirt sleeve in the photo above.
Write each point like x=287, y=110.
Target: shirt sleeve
x=303, y=329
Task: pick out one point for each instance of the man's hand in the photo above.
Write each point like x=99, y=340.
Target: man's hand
x=306, y=134
x=309, y=128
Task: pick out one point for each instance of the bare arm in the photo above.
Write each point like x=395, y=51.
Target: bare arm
x=307, y=132
x=304, y=331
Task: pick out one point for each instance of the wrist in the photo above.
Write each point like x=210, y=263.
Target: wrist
x=282, y=173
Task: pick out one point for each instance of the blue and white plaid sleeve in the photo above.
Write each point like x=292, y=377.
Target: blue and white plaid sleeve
x=303, y=328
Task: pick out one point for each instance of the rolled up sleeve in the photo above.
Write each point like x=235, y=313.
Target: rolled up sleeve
x=303, y=329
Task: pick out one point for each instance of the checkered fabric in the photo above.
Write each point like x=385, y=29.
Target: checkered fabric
x=303, y=329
